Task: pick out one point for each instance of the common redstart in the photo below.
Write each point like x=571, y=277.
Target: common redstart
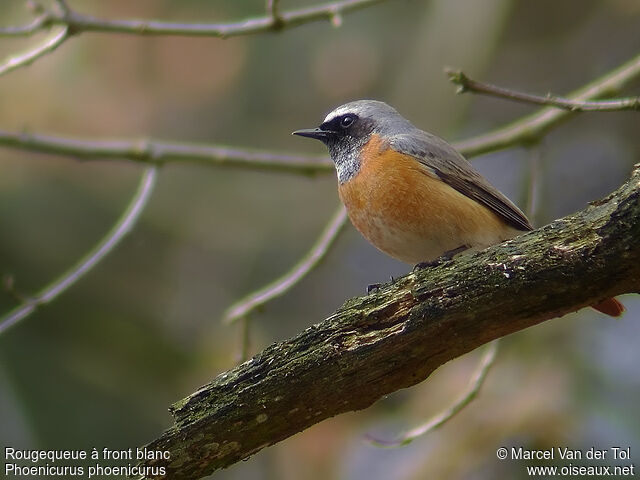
x=410, y=193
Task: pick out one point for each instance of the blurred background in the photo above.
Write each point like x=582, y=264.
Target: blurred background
x=100, y=366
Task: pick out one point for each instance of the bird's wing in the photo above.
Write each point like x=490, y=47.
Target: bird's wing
x=452, y=168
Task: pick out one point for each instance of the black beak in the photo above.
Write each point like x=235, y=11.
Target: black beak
x=316, y=133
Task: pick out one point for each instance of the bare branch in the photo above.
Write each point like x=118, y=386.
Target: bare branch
x=530, y=129
x=486, y=362
x=123, y=226
x=30, y=56
x=525, y=131
x=273, y=9
x=398, y=336
x=63, y=7
x=288, y=19
x=467, y=84
x=8, y=283
x=38, y=23
x=86, y=23
x=161, y=152
x=281, y=285
x=74, y=23
x=245, y=339
x=534, y=175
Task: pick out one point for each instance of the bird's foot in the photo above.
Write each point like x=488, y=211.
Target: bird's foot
x=423, y=265
x=374, y=287
x=445, y=257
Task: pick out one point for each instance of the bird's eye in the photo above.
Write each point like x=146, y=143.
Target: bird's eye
x=347, y=121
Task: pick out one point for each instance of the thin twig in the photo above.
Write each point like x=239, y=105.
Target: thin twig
x=487, y=360
x=273, y=9
x=8, y=283
x=530, y=129
x=87, y=23
x=123, y=226
x=38, y=23
x=160, y=152
x=62, y=5
x=533, y=181
x=467, y=84
x=75, y=23
x=246, y=305
x=245, y=339
x=30, y=56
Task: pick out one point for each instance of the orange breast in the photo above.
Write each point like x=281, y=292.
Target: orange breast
x=407, y=212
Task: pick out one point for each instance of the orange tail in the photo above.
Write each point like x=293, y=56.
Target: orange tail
x=610, y=307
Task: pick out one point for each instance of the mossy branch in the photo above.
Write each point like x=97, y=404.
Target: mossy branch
x=397, y=337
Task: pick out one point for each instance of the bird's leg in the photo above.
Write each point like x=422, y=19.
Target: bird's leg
x=445, y=257
x=373, y=287
x=449, y=254
x=376, y=286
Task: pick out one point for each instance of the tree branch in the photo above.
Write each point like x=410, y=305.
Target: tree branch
x=27, y=58
x=273, y=9
x=38, y=23
x=524, y=131
x=74, y=23
x=283, y=284
x=532, y=128
x=486, y=362
x=467, y=84
x=395, y=338
x=159, y=152
x=123, y=226
x=62, y=5
x=79, y=23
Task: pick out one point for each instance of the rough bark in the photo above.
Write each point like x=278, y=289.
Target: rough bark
x=395, y=338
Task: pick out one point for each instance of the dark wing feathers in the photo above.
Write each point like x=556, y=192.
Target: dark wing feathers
x=474, y=186
x=443, y=160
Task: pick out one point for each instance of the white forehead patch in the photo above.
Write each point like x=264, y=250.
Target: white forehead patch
x=337, y=112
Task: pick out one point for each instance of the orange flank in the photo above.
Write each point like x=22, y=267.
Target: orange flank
x=406, y=211
x=410, y=193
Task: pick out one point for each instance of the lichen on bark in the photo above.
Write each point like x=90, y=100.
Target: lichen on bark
x=397, y=336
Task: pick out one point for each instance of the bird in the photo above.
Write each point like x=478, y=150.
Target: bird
x=410, y=193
